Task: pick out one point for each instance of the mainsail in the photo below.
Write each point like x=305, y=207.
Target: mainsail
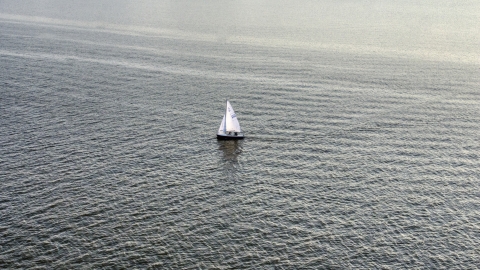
x=231, y=121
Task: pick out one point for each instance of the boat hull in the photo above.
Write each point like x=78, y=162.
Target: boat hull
x=229, y=137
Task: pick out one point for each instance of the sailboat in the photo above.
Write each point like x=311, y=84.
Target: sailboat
x=230, y=127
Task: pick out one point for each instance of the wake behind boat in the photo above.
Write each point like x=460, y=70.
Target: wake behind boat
x=230, y=127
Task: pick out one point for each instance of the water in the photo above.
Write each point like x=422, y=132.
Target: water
x=361, y=146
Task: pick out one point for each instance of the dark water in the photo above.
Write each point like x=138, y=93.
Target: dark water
x=352, y=158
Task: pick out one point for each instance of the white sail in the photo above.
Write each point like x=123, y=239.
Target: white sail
x=231, y=121
x=221, y=129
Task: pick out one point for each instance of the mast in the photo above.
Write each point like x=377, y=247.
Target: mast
x=225, y=118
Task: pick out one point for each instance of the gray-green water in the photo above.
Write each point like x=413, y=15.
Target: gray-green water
x=361, y=150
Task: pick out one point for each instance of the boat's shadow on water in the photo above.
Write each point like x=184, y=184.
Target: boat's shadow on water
x=230, y=150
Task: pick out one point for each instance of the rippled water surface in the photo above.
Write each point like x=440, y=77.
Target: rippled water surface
x=361, y=150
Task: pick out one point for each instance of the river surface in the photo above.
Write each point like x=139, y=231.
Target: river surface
x=362, y=125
